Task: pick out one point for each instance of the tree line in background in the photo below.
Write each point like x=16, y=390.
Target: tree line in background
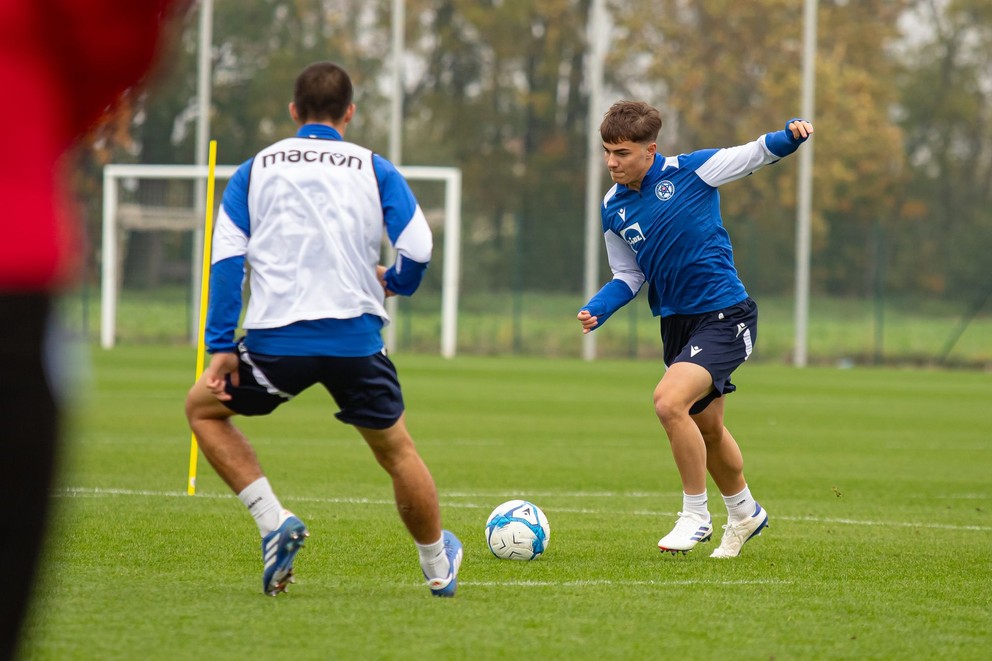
x=498, y=88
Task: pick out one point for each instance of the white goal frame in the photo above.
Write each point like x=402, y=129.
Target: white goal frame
x=114, y=173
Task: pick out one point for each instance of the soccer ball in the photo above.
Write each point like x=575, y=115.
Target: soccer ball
x=517, y=530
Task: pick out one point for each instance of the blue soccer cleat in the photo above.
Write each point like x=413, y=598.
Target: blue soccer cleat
x=445, y=587
x=279, y=548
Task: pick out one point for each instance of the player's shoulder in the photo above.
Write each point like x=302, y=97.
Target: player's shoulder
x=383, y=165
x=244, y=169
x=610, y=196
x=238, y=183
x=388, y=174
x=693, y=160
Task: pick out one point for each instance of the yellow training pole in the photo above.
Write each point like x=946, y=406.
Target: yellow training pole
x=208, y=235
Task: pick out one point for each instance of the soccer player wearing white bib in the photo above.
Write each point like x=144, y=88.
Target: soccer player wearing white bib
x=307, y=215
x=662, y=225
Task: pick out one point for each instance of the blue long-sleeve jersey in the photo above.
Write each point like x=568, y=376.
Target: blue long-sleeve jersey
x=670, y=233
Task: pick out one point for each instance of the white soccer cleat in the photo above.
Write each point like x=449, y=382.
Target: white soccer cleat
x=689, y=530
x=735, y=535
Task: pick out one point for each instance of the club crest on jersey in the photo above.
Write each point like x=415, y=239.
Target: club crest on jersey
x=633, y=236
x=665, y=190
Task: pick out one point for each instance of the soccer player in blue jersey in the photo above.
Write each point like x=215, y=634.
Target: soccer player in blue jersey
x=307, y=215
x=662, y=225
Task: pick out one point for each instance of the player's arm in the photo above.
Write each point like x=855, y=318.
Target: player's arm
x=720, y=166
x=407, y=228
x=626, y=282
x=227, y=266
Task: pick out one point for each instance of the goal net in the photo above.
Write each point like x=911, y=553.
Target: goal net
x=152, y=248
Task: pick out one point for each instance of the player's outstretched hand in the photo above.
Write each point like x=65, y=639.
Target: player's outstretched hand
x=587, y=320
x=800, y=129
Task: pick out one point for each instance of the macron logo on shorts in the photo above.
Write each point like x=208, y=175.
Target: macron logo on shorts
x=693, y=351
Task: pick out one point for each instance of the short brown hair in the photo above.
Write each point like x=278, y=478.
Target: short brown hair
x=630, y=120
x=323, y=91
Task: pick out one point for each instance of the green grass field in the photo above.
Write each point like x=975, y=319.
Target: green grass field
x=877, y=482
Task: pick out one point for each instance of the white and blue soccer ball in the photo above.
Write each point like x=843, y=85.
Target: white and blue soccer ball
x=518, y=530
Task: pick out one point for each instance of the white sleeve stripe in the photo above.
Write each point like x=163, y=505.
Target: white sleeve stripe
x=228, y=240
x=623, y=262
x=632, y=282
x=415, y=242
x=734, y=163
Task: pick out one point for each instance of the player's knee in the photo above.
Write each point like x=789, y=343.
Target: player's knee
x=668, y=408
x=192, y=405
x=712, y=437
x=201, y=405
x=398, y=460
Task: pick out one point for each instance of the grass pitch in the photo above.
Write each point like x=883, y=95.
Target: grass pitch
x=876, y=481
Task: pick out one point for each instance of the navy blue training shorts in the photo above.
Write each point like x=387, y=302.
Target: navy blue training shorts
x=718, y=341
x=366, y=388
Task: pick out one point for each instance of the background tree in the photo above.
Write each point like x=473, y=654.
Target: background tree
x=946, y=113
x=501, y=94
x=498, y=88
x=725, y=72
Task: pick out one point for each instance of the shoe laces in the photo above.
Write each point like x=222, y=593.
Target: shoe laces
x=734, y=532
x=689, y=523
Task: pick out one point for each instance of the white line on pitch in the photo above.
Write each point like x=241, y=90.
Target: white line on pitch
x=594, y=583
x=77, y=492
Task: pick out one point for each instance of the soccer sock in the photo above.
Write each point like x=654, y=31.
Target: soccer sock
x=695, y=504
x=263, y=505
x=433, y=560
x=740, y=506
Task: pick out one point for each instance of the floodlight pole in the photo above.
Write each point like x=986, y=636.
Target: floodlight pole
x=396, y=102
x=598, y=33
x=395, y=138
x=203, y=84
x=805, y=193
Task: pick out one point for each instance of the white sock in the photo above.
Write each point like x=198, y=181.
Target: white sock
x=263, y=505
x=739, y=506
x=695, y=504
x=433, y=560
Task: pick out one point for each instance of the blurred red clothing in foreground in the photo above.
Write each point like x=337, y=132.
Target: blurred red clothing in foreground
x=63, y=63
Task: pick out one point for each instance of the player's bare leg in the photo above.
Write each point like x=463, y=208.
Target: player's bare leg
x=235, y=461
x=417, y=502
x=223, y=444
x=413, y=486
x=724, y=460
x=745, y=517
x=683, y=385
